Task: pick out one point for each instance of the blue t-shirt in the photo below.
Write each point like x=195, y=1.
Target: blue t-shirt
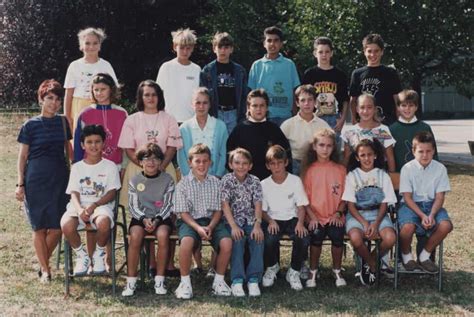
x=45, y=137
x=279, y=78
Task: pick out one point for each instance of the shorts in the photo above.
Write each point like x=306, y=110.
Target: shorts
x=370, y=216
x=335, y=234
x=406, y=215
x=135, y=222
x=103, y=210
x=220, y=232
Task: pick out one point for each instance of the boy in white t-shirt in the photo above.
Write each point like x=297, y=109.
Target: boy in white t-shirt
x=284, y=201
x=92, y=185
x=179, y=77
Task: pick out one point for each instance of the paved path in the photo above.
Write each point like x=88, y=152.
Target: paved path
x=451, y=139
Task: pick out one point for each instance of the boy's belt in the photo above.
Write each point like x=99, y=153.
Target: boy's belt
x=226, y=108
x=371, y=207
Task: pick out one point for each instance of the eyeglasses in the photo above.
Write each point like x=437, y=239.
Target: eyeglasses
x=150, y=159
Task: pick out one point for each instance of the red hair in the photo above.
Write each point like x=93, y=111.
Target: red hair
x=50, y=86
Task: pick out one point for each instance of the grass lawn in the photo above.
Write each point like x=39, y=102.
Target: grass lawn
x=21, y=293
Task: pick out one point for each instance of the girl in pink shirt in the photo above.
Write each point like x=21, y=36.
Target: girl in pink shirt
x=323, y=179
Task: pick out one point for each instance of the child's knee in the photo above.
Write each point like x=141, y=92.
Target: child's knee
x=388, y=236
x=163, y=238
x=445, y=227
x=69, y=225
x=187, y=244
x=225, y=245
x=102, y=224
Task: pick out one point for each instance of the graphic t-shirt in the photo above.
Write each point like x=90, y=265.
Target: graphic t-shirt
x=93, y=181
x=226, y=85
x=330, y=81
x=382, y=82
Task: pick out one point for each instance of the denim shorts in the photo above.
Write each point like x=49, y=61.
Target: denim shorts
x=370, y=216
x=406, y=215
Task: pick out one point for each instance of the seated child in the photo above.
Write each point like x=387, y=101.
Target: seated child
x=284, y=201
x=299, y=129
x=406, y=127
x=197, y=203
x=150, y=200
x=323, y=178
x=242, y=205
x=423, y=184
x=92, y=185
x=368, y=190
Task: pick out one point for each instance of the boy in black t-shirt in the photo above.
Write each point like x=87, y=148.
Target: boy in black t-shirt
x=226, y=82
x=328, y=79
x=378, y=80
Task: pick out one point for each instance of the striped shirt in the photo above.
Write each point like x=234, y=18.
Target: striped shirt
x=199, y=198
x=45, y=137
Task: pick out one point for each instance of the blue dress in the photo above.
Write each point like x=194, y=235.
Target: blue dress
x=46, y=173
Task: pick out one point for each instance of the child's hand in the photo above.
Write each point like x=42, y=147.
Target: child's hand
x=273, y=227
x=427, y=222
x=313, y=224
x=85, y=216
x=371, y=231
x=365, y=224
x=339, y=124
x=257, y=234
x=149, y=225
x=300, y=230
x=237, y=233
x=20, y=193
x=90, y=209
x=204, y=233
x=336, y=221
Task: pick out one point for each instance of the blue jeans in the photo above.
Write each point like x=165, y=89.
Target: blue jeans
x=296, y=167
x=331, y=119
x=229, y=118
x=406, y=215
x=254, y=271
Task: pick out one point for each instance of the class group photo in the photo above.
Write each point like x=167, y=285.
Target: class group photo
x=237, y=158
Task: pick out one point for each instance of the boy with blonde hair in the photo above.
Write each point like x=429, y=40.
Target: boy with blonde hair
x=179, y=77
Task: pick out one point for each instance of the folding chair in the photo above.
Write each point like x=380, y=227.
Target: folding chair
x=68, y=262
x=395, y=177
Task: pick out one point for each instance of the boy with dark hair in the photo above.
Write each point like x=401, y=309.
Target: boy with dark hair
x=406, y=127
x=277, y=75
x=92, y=185
x=226, y=82
x=376, y=79
x=423, y=184
x=328, y=79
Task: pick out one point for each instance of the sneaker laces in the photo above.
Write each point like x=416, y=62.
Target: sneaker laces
x=371, y=277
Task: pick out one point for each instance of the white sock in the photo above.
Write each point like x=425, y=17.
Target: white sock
x=80, y=249
x=407, y=257
x=218, y=278
x=159, y=278
x=98, y=247
x=132, y=280
x=186, y=279
x=424, y=255
x=313, y=274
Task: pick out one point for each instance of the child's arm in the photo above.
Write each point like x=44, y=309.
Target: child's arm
x=257, y=233
x=169, y=154
x=186, y=217
x=356, y=214
x=372, y=230
x=273, y=227
x=131, y=156
x=216, y=218
x=408, y=198
x=21, y=165
x=76, y=202
x=340, y=122
x=437, y=204
x=390, y=159
x=336, y=219
x=313, y=220
x=237, y=233
x=347, y=154
x=108, y=197
x=300, y=229
x=353, y=103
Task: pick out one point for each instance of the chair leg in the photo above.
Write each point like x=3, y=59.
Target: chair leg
x=377, y=261
x=440, y=266
x=142, y=266
x=395, y=277
x=58, y=255
x=66, y=267
x=114, y=277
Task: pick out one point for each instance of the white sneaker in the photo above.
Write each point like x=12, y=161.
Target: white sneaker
x=210, y=273
x=184, y=291
x=304, y=272
x=270, y=275
x=238, y=290
x=82, y=263
x=129, y=289
x=340, y=281
x=221, y=288
x=293, y=277
x=311, y=282
x=160, y=288
x=254, y=290
x=98, y=261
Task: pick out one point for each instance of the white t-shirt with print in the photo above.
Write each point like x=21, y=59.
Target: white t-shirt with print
x=178, y=83
x=93, y=181
x=280, y=201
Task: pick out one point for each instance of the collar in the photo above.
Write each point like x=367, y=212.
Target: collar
x=267, y=60
x=421, y=167
x=300, y=118
x=413, y=120
x=253, y=120
x=195, y=124
x=193, y=178
x=103, y=107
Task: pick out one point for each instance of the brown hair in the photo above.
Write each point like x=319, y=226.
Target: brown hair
x=50, y=86
x=222, y=39
x=373, y=38
x=198, y=149
x=323, y=40
x=309, y=89
x=106, y=79
x=408, y=95
x=148, y=150
x=240, y=151
x=423, y=137
x=275, y=152
x=159, y=92
x=311, y=155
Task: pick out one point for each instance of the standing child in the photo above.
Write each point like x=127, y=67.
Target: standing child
x=331, y=81
x=197, y=202
x=277, y=75
x=242, y=205
x=406, y=127
x=81, y=71
x=179, y=77
x=300, y=129
x=227, y=83
x=368, y=127
x=284, y=201
x=92, y=186
x=150, y=198
x=376, y=79
x=323, y=178
x=423, y=184
x=256, y=134
x=368, y=190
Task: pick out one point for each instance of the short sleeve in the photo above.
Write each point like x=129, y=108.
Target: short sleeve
x=174, y=136
x=24, y=136
x=114, y=177
x=257, y=192
x=301, y=197
x=179, y=201
x=126, y=140
x=69, y=82
x=354, y=87
x=225, y=188
x=265, y=203
x=285, y=128
x=390, y=197
x=405, y=182
x=349, y=189
x=294, y=75
x=443, y=185
x=161, y=77
x=388, y=138
x=252, y=82
x=396, y=85
x=73, y=184
x=111, y=72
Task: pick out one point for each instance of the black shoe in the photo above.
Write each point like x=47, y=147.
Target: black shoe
x=366, y=276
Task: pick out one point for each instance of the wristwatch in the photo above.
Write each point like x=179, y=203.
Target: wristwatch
x=258, y=220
